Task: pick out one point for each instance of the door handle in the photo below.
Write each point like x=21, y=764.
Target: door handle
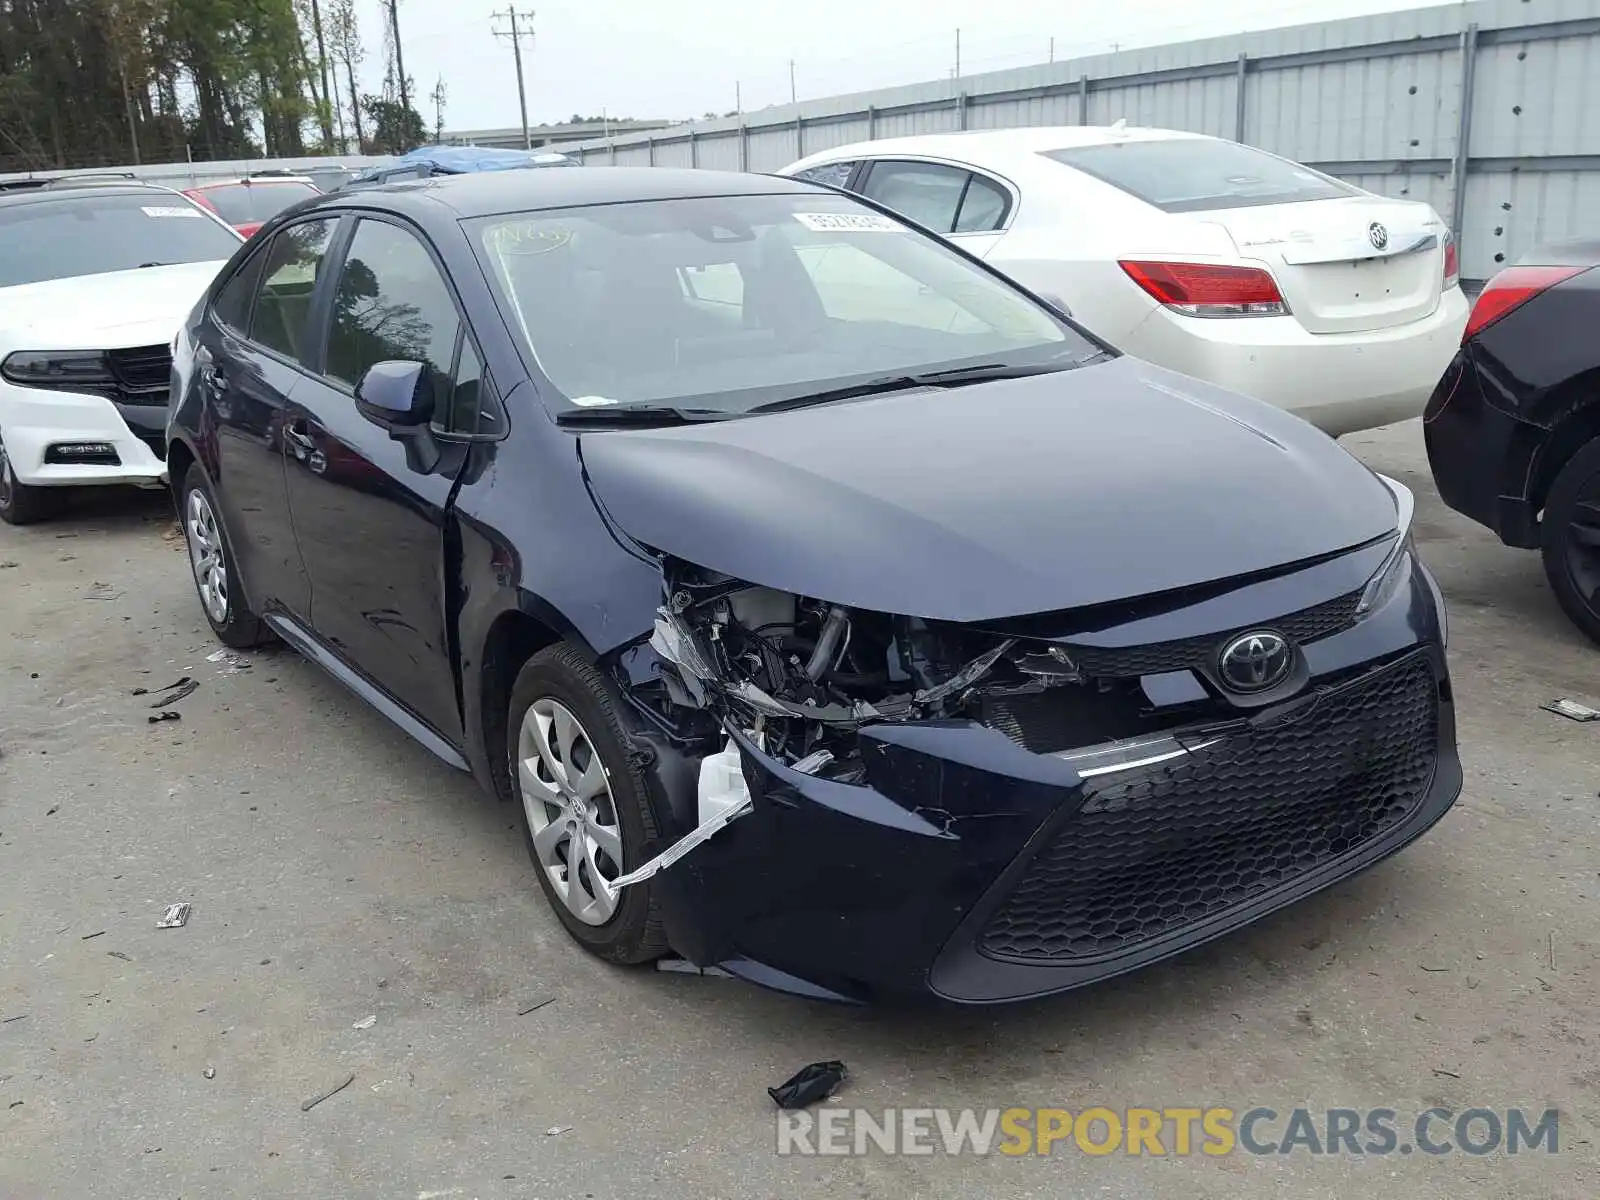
x=298, y=432
x=213, y=378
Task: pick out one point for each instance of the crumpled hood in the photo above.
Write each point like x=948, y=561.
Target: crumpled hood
x=995, y=500
x=119, y=308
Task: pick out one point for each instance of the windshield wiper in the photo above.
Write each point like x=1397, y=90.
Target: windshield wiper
x=640, y=414
x=949, y=377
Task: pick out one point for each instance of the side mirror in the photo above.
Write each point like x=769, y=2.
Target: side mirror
x=395, y=395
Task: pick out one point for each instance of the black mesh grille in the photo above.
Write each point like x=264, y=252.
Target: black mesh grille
x=1307, y=625
x=1161, y=849
x=141, y=372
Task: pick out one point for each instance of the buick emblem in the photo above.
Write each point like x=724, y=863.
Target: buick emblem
x=1255, y=661
x=1377, y=235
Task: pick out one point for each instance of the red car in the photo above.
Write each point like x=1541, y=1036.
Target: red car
x=248, y=203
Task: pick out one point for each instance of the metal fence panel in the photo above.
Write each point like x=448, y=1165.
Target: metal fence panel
x=772, y=149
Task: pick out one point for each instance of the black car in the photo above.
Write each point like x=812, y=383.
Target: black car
x=1513, y=429
x=833, y=610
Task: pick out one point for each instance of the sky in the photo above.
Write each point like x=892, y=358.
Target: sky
x=678, y=59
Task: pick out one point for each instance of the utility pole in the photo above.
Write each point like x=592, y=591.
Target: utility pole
x=515, y=38
x=1052, y=49
x=438, y=98
x=738, y=98
x=958, y=53
x=399, y=59
x=791, y=82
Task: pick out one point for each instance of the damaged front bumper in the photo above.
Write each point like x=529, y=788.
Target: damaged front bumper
x=963, y=865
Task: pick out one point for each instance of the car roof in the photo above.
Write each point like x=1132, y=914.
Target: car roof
x=1031, y=140
x=43, y=195
x=486, y=193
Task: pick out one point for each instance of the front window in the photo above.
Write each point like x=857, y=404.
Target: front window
x=255, y=203
x=92, y=235
x=733, y=302
x=1180, y=175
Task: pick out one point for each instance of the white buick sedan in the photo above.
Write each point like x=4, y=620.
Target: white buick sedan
x=1202, y=255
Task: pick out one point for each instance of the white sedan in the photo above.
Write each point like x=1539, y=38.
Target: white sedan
x=1202, y=255
x=94, y=282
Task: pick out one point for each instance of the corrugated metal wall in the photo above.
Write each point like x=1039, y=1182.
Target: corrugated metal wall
x=1376, y=100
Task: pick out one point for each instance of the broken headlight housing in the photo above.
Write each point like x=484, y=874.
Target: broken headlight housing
x=1396, y=567
x=807, y=673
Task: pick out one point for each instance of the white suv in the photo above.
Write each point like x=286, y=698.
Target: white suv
x=94, y=282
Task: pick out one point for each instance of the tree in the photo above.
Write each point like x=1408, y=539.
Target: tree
x=395, y=129
x=344, y=35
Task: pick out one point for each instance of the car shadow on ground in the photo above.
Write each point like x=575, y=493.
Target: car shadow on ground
x=97, y=510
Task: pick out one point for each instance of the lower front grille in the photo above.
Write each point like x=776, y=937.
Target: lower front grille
x=1157, y=850
x=157, y=442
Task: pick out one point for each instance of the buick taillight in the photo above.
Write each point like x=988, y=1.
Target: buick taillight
x=1510, y=290
x=1452, y=261
x=1208, y=289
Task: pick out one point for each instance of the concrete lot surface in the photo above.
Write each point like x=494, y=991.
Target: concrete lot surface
x=337, y=873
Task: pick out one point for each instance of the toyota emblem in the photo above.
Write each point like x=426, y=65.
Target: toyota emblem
x=1377, y=235
x=1255, y=661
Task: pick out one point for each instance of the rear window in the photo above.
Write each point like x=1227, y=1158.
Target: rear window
x=244, y=203
x=89, y=235
x=1196, y=175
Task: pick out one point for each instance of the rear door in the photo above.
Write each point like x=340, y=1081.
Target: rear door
x=369, y=523
x=1346, y=261
x=966, y=206
x=252, y=356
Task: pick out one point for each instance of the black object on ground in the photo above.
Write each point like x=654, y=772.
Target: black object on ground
x=308, y=1105
x=165, y=716
x=809, y=1085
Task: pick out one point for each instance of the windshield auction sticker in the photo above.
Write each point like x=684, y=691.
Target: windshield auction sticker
x=848, y=223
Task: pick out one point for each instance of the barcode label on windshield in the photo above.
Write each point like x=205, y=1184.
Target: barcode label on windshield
x=169, y=210
x=848, y=223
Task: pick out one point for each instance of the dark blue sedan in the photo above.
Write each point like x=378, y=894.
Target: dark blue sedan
x=830, y=608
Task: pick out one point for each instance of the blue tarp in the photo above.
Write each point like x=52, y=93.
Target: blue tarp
x=464, y=160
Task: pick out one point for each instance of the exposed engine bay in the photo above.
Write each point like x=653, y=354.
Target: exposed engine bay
x=803, y=675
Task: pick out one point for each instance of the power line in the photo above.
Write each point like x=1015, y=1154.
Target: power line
x=515, y=37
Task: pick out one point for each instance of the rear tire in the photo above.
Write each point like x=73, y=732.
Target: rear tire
x=22, y=503
x=216, y=574
x=580, y=791
x=1570, y=539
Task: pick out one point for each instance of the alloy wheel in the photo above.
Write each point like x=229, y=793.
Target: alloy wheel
x=206, y=556
x=571, y=811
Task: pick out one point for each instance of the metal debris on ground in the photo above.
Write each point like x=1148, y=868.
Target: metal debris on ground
x=210, y=1072
x=308, y=1105
x=682, y=966
x=184, y=687
x=535, y=1006
x=8, y=1020
x=557, y=1130
x=165, y=716
x=174, y=916
x=236, y=662
x=809, y=1085
x=9, y=564
x=119, y=954
x=140, y=692
x=1572, y=710
x=366, y=1022
x=95, y=934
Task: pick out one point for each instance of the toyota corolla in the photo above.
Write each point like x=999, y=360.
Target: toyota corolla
x=829, y=608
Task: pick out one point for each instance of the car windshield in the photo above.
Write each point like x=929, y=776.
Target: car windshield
x=64, y=237
x=1180, y=175
x=730, y=303
x=244, y=203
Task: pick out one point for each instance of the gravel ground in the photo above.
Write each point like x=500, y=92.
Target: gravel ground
x=338, y=873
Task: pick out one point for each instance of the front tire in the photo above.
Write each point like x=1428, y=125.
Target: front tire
x=1570, y=539
x=583, y=805
x=216, y=574
x=21, y=503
